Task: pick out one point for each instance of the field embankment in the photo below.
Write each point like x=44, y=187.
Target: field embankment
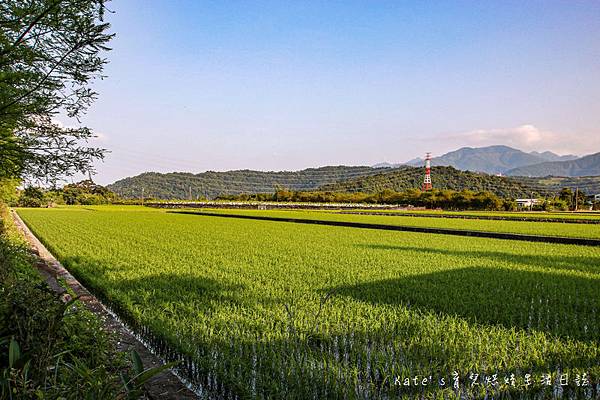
x=587, y=217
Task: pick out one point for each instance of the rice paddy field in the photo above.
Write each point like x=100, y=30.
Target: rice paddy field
x=540, y=228
x=268, y=309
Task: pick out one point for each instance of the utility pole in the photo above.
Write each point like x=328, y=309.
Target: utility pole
x=427, y=181
x=142, y=196
x=531, y=202
x=190, y=193
x=576, y=197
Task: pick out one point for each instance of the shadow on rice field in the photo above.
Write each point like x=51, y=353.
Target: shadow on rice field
x=321, y=365
x=587, y=264
x=563, y=305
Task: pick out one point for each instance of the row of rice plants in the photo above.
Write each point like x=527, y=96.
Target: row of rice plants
x=589, y=231
x=584, y=216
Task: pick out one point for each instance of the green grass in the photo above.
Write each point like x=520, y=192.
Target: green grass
x=590, y=231
x=56, y=351
x=280, y=310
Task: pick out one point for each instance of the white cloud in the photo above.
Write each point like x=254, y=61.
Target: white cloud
x=525, y=137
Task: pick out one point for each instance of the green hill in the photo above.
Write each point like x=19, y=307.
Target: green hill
x=179, y=185
x=405, y=178
x=211, y=184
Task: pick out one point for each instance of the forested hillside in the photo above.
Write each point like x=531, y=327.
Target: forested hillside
x=586, y=184
x=443, y=178
x=180, y=185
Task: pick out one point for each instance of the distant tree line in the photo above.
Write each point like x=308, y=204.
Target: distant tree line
x=88, y=193
x=443, y=199
x=84, y=193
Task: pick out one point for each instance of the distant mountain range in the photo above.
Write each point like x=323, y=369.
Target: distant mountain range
x=492, y=159
x=584, y=166
x=513, y=162
x=550, y=156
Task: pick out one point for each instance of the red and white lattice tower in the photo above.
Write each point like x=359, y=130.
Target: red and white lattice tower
x=427, y=181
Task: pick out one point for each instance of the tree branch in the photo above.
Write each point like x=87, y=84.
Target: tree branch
x=44, y=78
x=30, y=27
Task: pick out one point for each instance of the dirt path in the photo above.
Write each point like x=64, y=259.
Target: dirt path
x=163, y=386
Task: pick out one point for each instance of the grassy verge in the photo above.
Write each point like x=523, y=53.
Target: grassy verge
x=49, y=349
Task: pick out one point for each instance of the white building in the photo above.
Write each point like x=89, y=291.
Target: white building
x=527, y=202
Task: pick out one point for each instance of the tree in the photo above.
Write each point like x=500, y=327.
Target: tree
x=581, y=198
x=31, y=197
x=8, y=190
x=566, y=195
x=50, y=53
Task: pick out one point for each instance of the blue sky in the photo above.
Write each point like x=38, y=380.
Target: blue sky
x=195, y=86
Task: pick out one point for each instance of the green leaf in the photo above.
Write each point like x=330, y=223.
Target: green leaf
x=14, y=353
x=138, y=366
x=146, y=375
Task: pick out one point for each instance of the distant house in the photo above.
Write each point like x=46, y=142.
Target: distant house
x=527, y=202
x=594, y=197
